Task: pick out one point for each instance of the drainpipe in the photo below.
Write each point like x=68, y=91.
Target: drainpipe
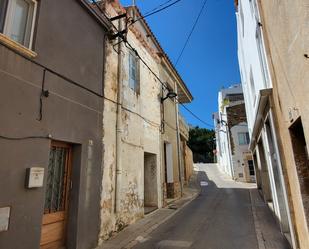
x=118, y=122
x=178, y=139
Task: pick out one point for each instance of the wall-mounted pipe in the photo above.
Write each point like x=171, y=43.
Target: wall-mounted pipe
x=118, y=121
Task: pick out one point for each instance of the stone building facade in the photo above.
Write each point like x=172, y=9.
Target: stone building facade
x=141, y=132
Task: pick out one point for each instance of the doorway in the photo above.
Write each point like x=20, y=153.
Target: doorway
x=169, y=170
x=53, y=235
x=150, y=183
x=301, y=161
x=273, y=158
x=251, y=170
x=265, y=179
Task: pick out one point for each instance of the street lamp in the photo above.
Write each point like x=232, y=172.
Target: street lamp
x=169, y=95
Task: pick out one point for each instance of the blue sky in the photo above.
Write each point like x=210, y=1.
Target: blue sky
x=210, y=59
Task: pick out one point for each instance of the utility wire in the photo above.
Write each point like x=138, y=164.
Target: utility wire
x=155, y=12
x=191, y=32
x=197, y=117
x=128, y=45
x=159, y=6
x=25, y=138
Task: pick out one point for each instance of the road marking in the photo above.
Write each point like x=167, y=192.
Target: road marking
x=141, y=239
x=203, y=183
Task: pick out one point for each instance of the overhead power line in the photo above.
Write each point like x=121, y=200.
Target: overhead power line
x=197, y=117
x=156, y=11
x=158, y=7
x=191, y=32
x=129, y=46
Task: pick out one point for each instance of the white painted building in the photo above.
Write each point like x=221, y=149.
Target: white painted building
x=257, y=89
x=234, y=158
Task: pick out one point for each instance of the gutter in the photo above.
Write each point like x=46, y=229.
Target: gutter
x=263, y=99
x=178, y=142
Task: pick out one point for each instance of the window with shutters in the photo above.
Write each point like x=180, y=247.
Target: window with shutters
x=134, y=76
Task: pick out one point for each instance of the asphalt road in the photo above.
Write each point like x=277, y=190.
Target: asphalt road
x=219, y=218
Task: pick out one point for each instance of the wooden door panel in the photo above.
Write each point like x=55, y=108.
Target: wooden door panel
x=54, y=245
x=53, y=217
x=54, y=220
x=52, y=232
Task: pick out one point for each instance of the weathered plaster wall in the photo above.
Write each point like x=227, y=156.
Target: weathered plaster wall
x=169, y=130
x=123, y=200
x=188, y=162
x=287, y=35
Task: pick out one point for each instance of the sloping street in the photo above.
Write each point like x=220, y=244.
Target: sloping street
x=221, y=217
x=167, y=124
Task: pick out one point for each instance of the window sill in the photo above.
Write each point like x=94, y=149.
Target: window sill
x=16, y=46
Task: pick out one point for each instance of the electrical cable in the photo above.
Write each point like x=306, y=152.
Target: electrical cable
x=129, y=46
x=191, y=32
x=129, y=110
x=194, y=115
x=155, y=12
x=25, y=138
x=159, y=6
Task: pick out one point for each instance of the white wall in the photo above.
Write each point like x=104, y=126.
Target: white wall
x=239, y=150
x=251, y=56
x=255, y=77
x=223, y=142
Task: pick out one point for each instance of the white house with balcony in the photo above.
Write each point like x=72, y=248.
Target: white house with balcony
x=257, y=89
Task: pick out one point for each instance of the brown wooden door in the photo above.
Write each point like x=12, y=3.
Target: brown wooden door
x=53, y=235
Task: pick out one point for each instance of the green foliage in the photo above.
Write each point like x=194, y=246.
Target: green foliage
x=202, y=144
x=224, y=103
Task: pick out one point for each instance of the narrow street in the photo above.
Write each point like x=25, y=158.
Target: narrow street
x=220, y=217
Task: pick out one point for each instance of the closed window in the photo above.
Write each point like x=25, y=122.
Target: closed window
x=243, y=138
x=17, y=20
x=133, y=72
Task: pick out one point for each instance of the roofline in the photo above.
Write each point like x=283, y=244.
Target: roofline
x=180, y=81
x=97, y=15
x=164, y=55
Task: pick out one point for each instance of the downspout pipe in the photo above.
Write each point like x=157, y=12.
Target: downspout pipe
x=118, y=122
x=178, y=139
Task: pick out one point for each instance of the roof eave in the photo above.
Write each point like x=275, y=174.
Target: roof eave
x=186, y=97
x=97, y=15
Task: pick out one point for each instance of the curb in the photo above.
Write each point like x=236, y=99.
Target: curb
x=258, y=231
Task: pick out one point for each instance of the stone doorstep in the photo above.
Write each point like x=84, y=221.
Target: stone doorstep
x=135, y=232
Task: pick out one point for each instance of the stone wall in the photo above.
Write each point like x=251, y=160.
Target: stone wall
x=138, y=116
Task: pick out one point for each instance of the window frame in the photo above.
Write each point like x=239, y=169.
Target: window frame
x=3, y=11
x=251, y=170
x=30, y=25
x=136, y=86
x=245, y=136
